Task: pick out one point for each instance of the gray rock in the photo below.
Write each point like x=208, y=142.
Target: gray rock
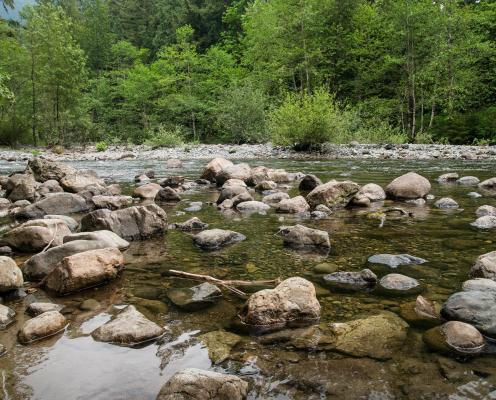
x=294, y=205
x=214, y=239
x=486, y=210
x=446, y=203
x=450, y=177
x=133, y=223
x=21, y=187
x=485, y=266
x=37, y=308
x=148, y=191
x=265, y=185
x=55, y=203
x=112, y=202
x=333, y=194
x=372, y=192
x=50, y=186
x=106, y=238
x=253, y=207
x=455, y=337
x=196, y=297
x=468, y=180
x=308, y=183
x=167, y=194
x=10, y=275
x=408, y=186
x=485, y=222
x=416, y=202
x=474, y=195
x=230, y=192
x=192, y=383
x=479, y=285
x=399, y=284
x=214, y=167
x=42, y=326
x=174, y=181
x=395, y=260
x=128, y=327
x=234, y=182
x=351, y=281
x=318, y=215
x=6, y=316
x=192, y=224
x=237, y=171
x=71, y=223
x=300, y=237
x=275, y=198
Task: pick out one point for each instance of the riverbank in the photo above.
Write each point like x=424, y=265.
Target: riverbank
x=246, y=151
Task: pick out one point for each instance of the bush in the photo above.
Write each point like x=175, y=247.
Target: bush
x=166, y=137
x=101, y=146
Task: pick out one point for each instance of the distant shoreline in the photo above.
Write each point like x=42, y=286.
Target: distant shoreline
x=261, y=151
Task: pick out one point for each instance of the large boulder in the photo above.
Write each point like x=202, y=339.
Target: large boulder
x=111, y=202
x=55, y=203
x=50, y=186
x=35, y=235
x=148, y=191
x=128, y=327
x=294, y=205
x=455, y=337
x=133, y=223
x=80, y=180
x=71, y=223
x=84, y=270
x=408, y=186
x=45, y=170
x=477, y=308
x=213, y=168
x=292, y=303
x=10, y=275
x=333, y=194
x=371, y=191
x=214, y=239
x=236, y=171
x=192, y=383
x=21, y=187
x=44, y=325
x=301, y=237
x=485, y=266
x=308, y=183
x=106, y=238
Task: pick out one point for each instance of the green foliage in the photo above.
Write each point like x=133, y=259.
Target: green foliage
x=163, y=136
x=36, y=152
x=101, y=146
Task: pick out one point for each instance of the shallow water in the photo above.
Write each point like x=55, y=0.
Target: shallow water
x=74, y=366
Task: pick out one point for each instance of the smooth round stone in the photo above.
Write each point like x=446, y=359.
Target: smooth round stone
x=468, y=180
x=446, y=203
x=6, y=316
x=421, y=312
x=399, y=284
x=325, y=268
x=351, y=281
x=479, y=284
x=455, y=337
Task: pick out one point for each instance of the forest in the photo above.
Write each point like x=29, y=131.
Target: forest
x=292, y=72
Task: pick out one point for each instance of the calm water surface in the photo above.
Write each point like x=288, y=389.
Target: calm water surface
x=74, y=366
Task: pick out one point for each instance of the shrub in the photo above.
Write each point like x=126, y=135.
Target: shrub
x=35, y=152
x=101, y=146
x=166, y=137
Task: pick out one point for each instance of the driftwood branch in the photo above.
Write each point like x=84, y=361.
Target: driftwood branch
x=227, y=284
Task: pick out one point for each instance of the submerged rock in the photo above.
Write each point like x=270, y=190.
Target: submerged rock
x=301, y=237
x=485, y=266
x=37, y=308
x=485, y=222
x=219, y=344
x=421, y=312
x=192, y=383
x=10, y=275
x=468, y=180
x=292, y=303
x=446, y=203
x=408, y=186
x=399, y=284
x=6, y=316
x=214, y=239
x=192, y=224
x=333, y=194
x=84, y=270
x=196, y=297
x=128, y=327
x=294, y=205
x=42, y=326
x=455, y=337
x=395, y=260
x=252, y=207
x=104, y=237
x=133, y=223
x=361, y=280
x=275, y=198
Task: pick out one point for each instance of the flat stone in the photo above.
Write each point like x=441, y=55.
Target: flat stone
x=395, y=260
x=42, y=326
x=37, y=308
x=214, y=239
x=301, y=237
x=351, y=281
x=455, y=337
x=446, y=203
x=196, y=297
x=399, y=284
x=219, y=344
x=468, y=180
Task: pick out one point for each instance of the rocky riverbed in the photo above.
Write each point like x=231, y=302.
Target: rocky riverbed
x=263, y=151
x=342, y=279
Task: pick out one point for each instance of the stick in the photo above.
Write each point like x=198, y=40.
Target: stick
x=51, y=241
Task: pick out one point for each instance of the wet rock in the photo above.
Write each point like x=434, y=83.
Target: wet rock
x=42, y=326
x=234, y=182
x=300, y=237
x=21, y=187
x=253, y=207
x=129, y=327
x=325, y=268
x=318, y=215
x=294, y=205
x=94, y=190
x=172, y=181
x=308, y=183
x=83, y=270
x=37, y=308
x=421, y=312
x=450, y=177
x=265, y=185
x=333, y=194
x=214, y=239
x=485, y=266
x=468, y=180
x=480, y=285
x=10, y=275
x=35, y=235
x=395, y=260
x=485, y=222
x=275, y=198
x=379, y=336
x=399, y=284
x=192, y=224
x=142, y=179
x=173, y=163
x=219, y=344
x=257, y=175
x=292, y=303
x=71, y=223
x=89, y=305
x=167, y=194
x=446, y=203
x=323, y=208
x=230, y=192
x=196, y=297
x=104, y=237
x=236, y=171
x=486, y=210
x=408, y=186
x=55, y=203
x=112, y=202
x=280, y=176
x=192, y=383
x=6, y=316
x=371, y=192
x=133, y=223
x=213, y=168
x=455, y=337
x=351, y=281
x=148, y=191
x=80, y=180
x=488, y=184
x=194, y=206
x=45, y=170
x=473, y=307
